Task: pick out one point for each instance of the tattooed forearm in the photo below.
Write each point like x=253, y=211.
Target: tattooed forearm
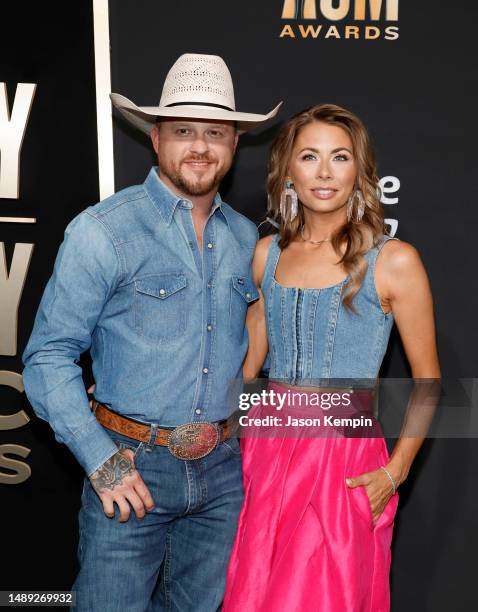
x=112, y=472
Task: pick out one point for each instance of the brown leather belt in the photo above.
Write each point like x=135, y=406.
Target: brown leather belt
x=188, y=441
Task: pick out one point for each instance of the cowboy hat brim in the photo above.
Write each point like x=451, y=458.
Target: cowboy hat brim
x=144, y=117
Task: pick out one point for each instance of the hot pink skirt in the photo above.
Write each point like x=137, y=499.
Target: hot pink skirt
x=305, y=541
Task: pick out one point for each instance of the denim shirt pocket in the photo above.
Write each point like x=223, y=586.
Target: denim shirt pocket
x=159, y=306
x=243, y=293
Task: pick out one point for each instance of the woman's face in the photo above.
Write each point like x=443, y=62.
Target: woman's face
x=322, y=167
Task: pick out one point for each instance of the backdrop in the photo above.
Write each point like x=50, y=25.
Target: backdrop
x=407, y=69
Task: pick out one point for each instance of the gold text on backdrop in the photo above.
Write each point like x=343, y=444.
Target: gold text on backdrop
x=356, y=10
x=12, y=131
x=11, y=288
x=352, y=11
x=21, y=470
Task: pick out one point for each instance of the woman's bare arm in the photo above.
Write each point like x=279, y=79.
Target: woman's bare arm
x=406, y=288
x=256, y=321
x=403, y=286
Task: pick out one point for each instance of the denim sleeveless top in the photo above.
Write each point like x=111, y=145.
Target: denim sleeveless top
x=313, y=337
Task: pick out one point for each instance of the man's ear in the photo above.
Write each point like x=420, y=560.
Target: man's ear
x=155, y=137
x=236, y=140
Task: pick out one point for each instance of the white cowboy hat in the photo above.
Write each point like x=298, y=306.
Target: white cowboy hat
x=196, y=87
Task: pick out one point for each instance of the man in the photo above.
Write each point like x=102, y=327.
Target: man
x=156, y=280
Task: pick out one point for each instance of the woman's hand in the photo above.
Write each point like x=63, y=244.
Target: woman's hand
x=90, y=391
x=378, y=487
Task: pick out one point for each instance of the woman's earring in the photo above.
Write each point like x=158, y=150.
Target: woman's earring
x=350, y=206
x=357, y=195
x=290, y=192
x=360, y=205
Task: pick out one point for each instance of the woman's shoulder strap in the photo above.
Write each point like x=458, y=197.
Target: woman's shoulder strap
x=373, y=253
x=385, y=238
x=375, y=250
x=273, y=253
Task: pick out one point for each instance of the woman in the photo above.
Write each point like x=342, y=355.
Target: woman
x=316, y=525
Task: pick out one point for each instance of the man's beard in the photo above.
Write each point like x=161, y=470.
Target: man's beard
x=192, y=187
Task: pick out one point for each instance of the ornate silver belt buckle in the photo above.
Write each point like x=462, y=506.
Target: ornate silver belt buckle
x=193, y=440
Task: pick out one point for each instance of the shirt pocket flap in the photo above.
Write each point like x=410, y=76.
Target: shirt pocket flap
x=245, y=287
x=161, y=285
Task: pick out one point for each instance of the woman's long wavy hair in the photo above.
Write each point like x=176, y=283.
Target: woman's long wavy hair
x=356, y=237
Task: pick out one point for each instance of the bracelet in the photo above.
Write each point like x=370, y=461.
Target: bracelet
x=394, y=488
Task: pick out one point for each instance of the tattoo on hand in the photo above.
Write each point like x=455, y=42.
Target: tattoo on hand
x=112, y=472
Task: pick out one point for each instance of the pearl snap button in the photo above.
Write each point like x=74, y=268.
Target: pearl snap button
x=198, y=411
x=248, y=295
x=209, y=245
x=205, y=370
x=162, y=291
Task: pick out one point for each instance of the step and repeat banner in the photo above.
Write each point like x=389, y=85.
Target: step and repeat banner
x=406, y=68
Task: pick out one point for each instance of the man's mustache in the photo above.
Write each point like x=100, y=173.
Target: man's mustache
x=206, y=157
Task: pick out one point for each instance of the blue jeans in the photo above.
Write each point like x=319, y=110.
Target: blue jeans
x=176, y=557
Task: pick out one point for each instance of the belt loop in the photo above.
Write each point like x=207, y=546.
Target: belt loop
x=152, y=437
x=93, y=404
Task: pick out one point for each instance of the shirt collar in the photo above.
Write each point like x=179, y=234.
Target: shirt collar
x=223, y=208
x=166, y=201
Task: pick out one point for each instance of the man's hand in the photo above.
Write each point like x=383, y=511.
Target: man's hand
x=90, y=391
x=117, y=480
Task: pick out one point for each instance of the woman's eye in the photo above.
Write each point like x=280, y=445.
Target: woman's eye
x=341, y=157
x=308, y=156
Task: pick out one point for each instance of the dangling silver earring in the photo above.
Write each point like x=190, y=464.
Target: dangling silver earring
x=360, y=205
x=350, y=206
x=356, y=195
x=290, y=192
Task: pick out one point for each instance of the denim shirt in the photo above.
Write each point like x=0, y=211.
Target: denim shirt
x=314, y=339
x=164, y=322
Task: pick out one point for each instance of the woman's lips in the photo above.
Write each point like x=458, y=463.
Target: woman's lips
x=324, y=194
